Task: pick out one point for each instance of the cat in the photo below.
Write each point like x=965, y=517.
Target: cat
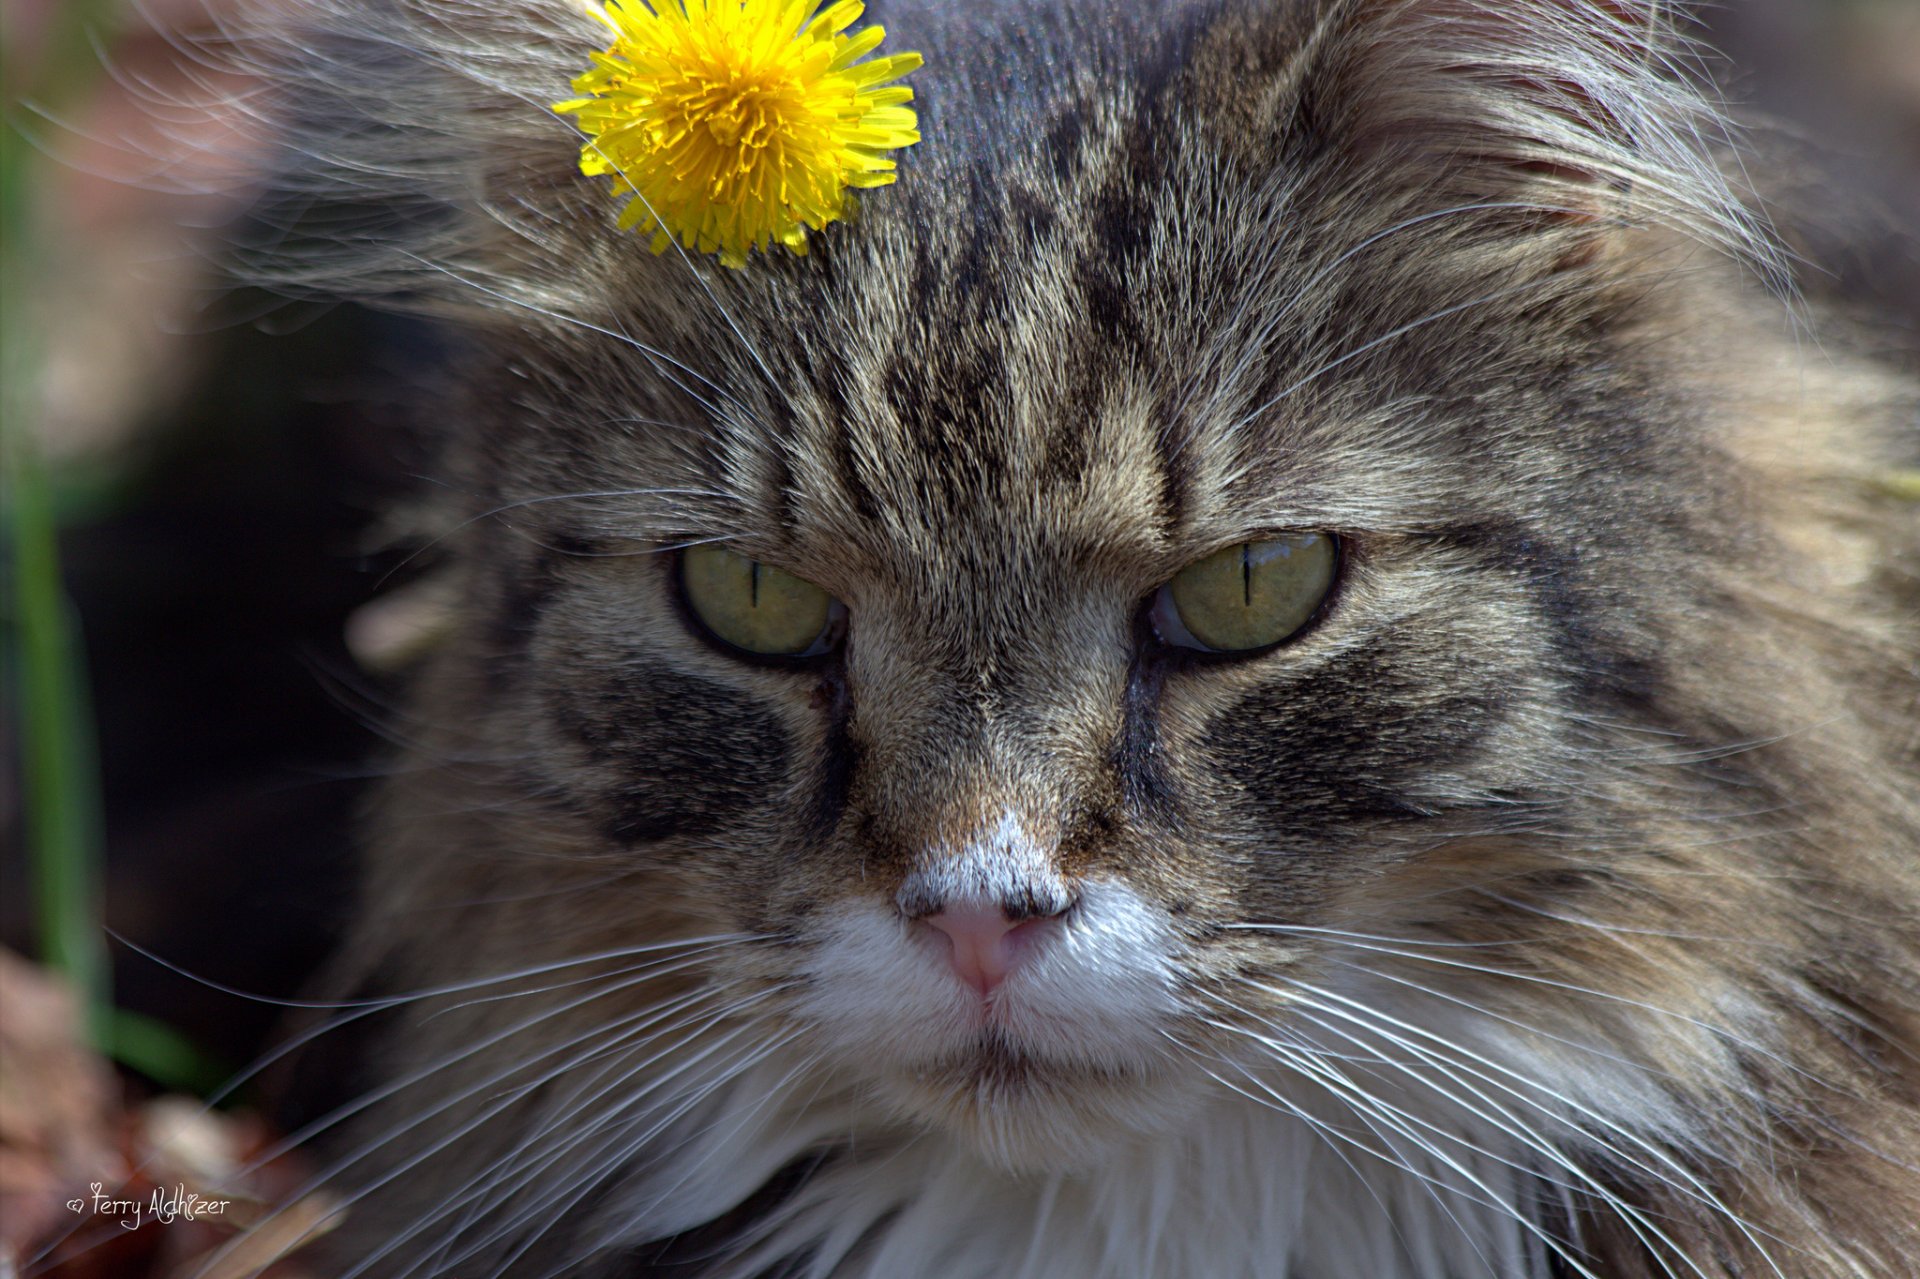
x=1337, y=692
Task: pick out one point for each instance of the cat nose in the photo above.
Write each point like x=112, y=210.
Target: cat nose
x=987, y=945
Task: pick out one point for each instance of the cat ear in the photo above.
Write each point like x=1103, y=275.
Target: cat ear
x=1585, y=115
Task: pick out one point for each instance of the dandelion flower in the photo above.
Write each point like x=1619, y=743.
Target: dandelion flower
x=730, y=123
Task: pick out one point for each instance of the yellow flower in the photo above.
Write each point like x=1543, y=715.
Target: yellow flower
x=729, y=123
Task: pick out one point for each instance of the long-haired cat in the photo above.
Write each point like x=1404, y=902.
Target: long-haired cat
x=1296, y=658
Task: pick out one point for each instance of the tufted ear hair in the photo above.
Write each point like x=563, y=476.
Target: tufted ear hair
x=412, y=158
x=1582, y=115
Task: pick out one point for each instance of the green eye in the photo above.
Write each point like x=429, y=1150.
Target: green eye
x=1247, y=596
x=757, y=607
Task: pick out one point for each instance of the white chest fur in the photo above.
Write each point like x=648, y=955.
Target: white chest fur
x=1244, y=1191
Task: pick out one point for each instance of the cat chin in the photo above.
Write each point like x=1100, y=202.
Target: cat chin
x=1026, y=1115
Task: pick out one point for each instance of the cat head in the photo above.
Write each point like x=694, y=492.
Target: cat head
x=869, y=604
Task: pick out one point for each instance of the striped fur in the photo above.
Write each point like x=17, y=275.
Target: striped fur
x=1551, y=907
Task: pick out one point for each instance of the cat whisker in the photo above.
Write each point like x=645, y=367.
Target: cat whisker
x=315, y=1183
x=1626, y=930
x=1398, y=947
x=1323, y=1065
x=355, y=1011
x=1634, y=1220
x=630, y=976
x=1665, y=1169
x=578, y=1049
x=616, y=1149
x=1334, y=1140
x=448, y=988
x=633, y=1143
x=1759, y=1122
x=504, y=1176
x=434, y=991
x=423, y=1073
x=479, y=1187
x=1371, y=1113
x=1313, y=1063
x=1412, y=1126
x=1494, y=1016
x=618, y=875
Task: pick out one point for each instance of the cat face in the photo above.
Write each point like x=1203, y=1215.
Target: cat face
x=1026, y=865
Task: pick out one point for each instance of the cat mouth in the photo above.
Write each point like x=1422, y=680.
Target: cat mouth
x=1021, y=1109
x=997, y=1062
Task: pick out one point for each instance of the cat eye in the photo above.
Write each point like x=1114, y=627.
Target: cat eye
x=756, y=607
x=1248, y=596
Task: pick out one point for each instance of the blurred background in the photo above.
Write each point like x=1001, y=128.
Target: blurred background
x=213, y=465
x=195, y=480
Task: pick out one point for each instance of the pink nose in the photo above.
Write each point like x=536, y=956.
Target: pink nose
x=986, y=944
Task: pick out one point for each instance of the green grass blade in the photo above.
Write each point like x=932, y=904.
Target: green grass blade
x=41, y=657
x=60, y=790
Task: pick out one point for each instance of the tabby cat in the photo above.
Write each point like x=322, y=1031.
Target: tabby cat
x=1296, y=658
